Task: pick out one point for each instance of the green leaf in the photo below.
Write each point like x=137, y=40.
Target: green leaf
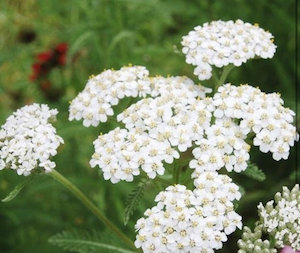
x=133, y=199
x=14, y=193
x=254, y=172
x=80, y=41
x=83, y=242
x=123, y=35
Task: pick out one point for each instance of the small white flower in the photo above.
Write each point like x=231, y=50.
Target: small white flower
x=28, y=140
x=101, y=92
x=190, y=221
x=281, y=218
x=221, y=43
x=260, y=113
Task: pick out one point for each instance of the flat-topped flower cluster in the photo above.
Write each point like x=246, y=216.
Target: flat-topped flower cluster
x=279, y=220
x=260, y=113
x=94, y=103
x=154, y=127
x=220, y=43
x=28, y=140
x=191, y=221
x=178, y=116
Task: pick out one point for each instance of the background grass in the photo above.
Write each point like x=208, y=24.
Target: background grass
x=109, y=34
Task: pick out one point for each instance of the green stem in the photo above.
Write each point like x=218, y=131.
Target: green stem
x=176, y=174
x=214, y=78
x=88, y=204
x=224, y=75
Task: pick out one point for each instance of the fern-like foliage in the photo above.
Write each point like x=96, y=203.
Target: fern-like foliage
x=14, y=193
x=254, y=172
x=133, y=199
x=85, y=242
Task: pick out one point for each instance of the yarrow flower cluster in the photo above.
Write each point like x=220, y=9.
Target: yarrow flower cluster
x=279, y=222
x=155, y=126
x=223, y=145
x=253, y=242
x=28, y=140
x=179, y=115
x=282, y=218
x=103, y=91
x=260, y=113
x=220, y=43
x=191, y=221
x=170, y=113
x=121, y=154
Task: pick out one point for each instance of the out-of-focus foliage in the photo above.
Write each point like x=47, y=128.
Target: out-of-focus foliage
x=109, y=34
x=87, y=242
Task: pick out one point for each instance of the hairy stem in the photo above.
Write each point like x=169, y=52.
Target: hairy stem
x=88, y=204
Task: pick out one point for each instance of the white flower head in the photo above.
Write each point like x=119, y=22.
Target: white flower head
x=122, y=154
x=281, y=218
x=220, y=43
x=254, y=240
x=222, y=146
x=94, y=103
x=260, y=113
x=28, y=140
x=190, y=221
x=156, y=128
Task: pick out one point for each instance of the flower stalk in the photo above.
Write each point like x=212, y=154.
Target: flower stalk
x=176, y=175
x=222, y=79
x=89, y=205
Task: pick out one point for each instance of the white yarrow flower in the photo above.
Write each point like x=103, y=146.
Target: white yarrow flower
x=190, y=221
x=260, y=113
x=28, y=140
x=281, y=218
x=94, y=103
x=220, y=43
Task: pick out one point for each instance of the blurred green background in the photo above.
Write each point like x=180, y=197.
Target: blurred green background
x=104, y=34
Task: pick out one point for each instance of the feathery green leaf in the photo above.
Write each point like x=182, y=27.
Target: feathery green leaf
x=14, y=193
x=133, y=199
x=254, y=172
x=84, y=242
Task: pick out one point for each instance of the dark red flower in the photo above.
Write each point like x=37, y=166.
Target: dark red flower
x=62, y=59
x=45, y=56
x=36, y=68
x=47, y=60
x=39, y=69
x=61, y=48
